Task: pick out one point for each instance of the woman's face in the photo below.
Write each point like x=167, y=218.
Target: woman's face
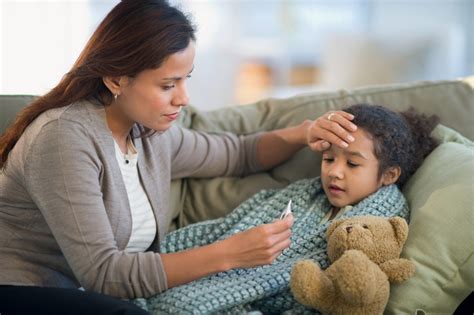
x=351, y=174
x=154, y=97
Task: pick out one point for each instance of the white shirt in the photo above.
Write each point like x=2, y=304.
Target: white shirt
x=143, y=219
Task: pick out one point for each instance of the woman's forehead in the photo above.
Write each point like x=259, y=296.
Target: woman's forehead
x=176, y=66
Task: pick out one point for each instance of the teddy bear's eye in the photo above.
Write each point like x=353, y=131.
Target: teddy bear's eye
x=365, y=226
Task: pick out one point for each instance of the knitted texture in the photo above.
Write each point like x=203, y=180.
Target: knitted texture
x=264, y=288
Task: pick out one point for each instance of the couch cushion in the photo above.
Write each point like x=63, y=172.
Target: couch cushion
x=440, y=240
x=10, y=105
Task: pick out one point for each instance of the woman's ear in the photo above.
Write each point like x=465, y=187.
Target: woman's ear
x=114, y=84
x=391, y=175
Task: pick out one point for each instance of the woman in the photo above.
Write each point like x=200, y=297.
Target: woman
x=86, y=170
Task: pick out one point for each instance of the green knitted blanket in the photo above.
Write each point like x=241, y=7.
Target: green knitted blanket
x=264, y=288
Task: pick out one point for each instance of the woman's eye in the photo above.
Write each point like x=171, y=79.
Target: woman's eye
x=328, y=160
x=352, y=164
x=167, y=87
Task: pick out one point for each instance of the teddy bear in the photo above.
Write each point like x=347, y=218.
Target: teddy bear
x=364, y=252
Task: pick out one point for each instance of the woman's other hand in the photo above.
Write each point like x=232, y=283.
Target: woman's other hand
x=259, y=245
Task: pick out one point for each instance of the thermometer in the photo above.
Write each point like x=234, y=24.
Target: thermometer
x=286, y=212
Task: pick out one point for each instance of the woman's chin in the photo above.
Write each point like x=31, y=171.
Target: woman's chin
x=159, y=127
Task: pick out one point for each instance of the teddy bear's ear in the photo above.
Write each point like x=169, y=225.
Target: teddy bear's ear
x=333, y=226
x=400, y=228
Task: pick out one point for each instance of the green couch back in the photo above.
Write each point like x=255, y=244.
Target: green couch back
x=451, y=100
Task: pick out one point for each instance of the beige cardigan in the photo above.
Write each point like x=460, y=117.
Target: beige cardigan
x=64, y=214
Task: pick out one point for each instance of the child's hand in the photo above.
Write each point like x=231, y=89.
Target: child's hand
x=334, y=127
x=259, y=245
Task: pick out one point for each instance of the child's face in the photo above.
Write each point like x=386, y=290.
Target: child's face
x=351, y=174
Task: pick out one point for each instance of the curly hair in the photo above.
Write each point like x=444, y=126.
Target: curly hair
x=400, y=139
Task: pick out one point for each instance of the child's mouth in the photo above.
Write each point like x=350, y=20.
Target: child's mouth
x=334, y=189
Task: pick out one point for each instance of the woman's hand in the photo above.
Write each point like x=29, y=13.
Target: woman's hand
x=259, y=245
x=334, y=127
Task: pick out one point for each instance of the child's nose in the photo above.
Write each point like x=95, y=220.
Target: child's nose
x=336, y=171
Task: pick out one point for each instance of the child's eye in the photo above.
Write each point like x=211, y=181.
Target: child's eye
x=352, y=164
x=167, y=87
x=328, y=160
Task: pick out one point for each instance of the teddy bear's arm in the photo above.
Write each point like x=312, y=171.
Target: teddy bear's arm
x=310, y=286
x=356, y=275
x=398, y=270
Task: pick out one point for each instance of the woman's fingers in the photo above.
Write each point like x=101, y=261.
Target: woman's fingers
x=329, y=132
x=280, y=237
x=280, y=247
x=333, y=132
x=279, y=226
x=319, y=145
x=281, y=243
x=281, y=232
x=343, y=119
x=262, y=244
x=331, y=128
x=344, y=114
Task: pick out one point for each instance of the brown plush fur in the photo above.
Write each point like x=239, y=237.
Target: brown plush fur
x=364, y=252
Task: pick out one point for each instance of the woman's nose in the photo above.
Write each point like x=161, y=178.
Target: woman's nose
x=181, y=97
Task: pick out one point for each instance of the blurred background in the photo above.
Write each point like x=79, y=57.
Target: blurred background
x=251, y=49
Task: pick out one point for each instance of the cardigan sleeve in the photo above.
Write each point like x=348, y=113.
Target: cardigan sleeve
x=202, y=154
x=62, y=176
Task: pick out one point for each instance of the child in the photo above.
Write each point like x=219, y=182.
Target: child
x=389, y=147
x=363, y=179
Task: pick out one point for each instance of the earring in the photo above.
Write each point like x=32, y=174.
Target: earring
x=115, y=96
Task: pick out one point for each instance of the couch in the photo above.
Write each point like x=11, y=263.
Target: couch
x=440, y=193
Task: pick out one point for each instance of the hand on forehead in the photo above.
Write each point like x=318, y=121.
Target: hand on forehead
x=362, y=146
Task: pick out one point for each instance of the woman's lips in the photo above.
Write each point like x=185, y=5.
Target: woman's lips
x=172, y=116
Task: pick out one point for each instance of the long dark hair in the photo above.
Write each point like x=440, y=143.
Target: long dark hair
x=136, y=35
x=400, y=139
